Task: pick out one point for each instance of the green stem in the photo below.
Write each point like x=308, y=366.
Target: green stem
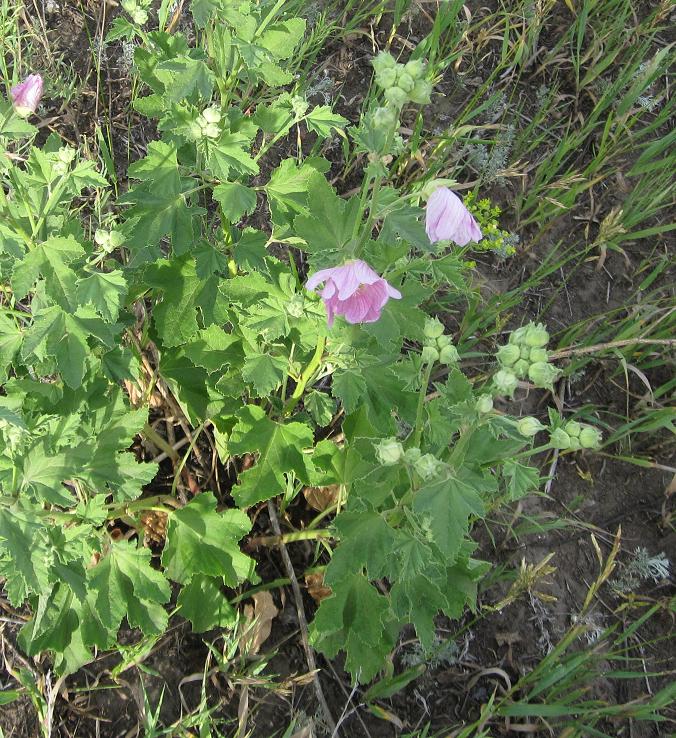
x=299, y=535
x=269, y=18
x=533, y=451
x=285, y=381
x=195, y=436
x=152, y=435
x=304, y=378
x=274, y=584
x=156, y=503
x=53, y=198
x=276, y=137
x=417, y=434
x=368, y=228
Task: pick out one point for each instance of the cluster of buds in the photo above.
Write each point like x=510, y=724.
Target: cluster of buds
x=573, y=436
x=525, y=356
x=426, y=466
x=390, y=452
x=437, y=346
x=206, y=125
x=137, y=11
x=402, y=83
x=108, y=241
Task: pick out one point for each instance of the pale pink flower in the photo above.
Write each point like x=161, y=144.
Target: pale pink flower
x=447, y=219
x=353, y=290
x=26, y=95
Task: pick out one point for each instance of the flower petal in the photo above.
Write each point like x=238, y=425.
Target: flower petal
x=321, y=276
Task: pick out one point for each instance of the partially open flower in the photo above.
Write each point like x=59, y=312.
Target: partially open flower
x=353, y=290
x=26, y=95
x=447, y=219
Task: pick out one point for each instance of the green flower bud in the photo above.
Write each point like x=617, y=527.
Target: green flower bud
x=429, y=354
x=590, y=437
x=428, y=466
x=384, y=117
x=138, y=15
x=386, y=78
x=296, y=306
x=212, y=115
x=529, y=426
x=396, y=96
x=433, y=328
x=573, y=428
x=508, y=354
x=539, y=355
x=560, y=439
x=421, y=92
x=116, y=239
x=444, y=341
x=66, y=154
x=211, y=130
x=449, y=355
x=536, y=335
x=505, y=382
x=102, y=238
x=521, y=368
x=525, y=352
x=389, y=451
x=575, y=444
x=299, y=105
x=411, y=455
x=415, y=68
x=382, y=61
x=543, y=375
x=405, y=81
x=484, y=404
x=517, y=336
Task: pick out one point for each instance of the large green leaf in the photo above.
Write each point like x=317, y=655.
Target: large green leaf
x=158, y=204
x=105, y=291
x=50, y=259
x=124, y=583
x=445, y=506
x=201, y=540
x=366, y=542
x=280, y=451
x=353, y=619
x=175, y=317
x=204, y=604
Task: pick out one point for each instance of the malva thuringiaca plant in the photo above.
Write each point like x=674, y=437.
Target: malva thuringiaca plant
x=356, y=388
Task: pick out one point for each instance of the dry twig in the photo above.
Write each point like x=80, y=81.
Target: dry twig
x=302, y=620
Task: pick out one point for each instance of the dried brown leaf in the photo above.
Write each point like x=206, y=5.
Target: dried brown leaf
x=258, y=622
x=320, y=498
x=315, y=587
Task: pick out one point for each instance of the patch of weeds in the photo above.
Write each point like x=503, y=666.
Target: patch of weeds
x=641, y=568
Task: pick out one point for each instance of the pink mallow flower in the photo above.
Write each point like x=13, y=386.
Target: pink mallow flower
x=353, y=290
x=26, y=95
x=447, y=219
